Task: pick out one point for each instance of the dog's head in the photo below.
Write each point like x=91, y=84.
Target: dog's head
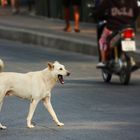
x=58, y=70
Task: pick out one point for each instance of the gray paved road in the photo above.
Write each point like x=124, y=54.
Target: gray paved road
x=90, y=109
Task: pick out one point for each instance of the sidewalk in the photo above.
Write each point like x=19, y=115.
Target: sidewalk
x=49, y=32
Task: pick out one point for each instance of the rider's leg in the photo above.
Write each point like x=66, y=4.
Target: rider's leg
x=104, y=46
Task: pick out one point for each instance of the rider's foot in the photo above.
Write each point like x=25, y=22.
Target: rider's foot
x=101, y=65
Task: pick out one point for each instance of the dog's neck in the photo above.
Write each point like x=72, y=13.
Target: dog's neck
x=48, y=78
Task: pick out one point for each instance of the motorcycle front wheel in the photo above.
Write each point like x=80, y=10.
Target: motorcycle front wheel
x=106, y=76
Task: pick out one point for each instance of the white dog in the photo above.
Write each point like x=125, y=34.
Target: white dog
x=34, y=86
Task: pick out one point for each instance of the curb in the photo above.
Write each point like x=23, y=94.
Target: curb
x=48, y=40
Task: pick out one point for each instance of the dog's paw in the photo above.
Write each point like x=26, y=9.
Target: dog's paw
x=2, y=126
x=31, y=126
x=60, y=124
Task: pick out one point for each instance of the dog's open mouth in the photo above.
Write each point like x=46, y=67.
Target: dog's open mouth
x=61, y=80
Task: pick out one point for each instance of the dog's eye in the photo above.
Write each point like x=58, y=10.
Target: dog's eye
x=60, y=69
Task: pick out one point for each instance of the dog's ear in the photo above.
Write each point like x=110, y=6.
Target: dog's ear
x=56, y=62
x=50, y=65
x=1, y=65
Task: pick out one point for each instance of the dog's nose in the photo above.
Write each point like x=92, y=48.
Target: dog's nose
x=68, y=73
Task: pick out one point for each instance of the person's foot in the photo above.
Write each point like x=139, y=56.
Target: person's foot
x=101, y=65
x=67, y=29
x=77, y=30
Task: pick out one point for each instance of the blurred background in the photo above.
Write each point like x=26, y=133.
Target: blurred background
x=54, y=9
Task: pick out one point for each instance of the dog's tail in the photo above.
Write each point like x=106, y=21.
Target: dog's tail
x=1, y=65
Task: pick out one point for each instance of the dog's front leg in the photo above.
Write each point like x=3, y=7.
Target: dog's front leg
x=32, y=108
x=47, y=104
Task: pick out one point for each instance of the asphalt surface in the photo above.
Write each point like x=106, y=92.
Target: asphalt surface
x=90, y=109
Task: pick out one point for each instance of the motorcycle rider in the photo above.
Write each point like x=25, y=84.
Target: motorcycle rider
x=99, y=28
x=119, y=13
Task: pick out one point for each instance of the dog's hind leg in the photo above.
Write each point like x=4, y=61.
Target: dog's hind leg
x=2, y=95
x=1, y=126
x=47, y=104
x=32, y=108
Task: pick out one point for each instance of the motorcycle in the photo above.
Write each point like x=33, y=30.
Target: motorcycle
x=120, y=62
x=122, y=45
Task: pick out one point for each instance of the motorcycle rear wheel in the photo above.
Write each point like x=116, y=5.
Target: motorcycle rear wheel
x=125, y=73
x=106, y=76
